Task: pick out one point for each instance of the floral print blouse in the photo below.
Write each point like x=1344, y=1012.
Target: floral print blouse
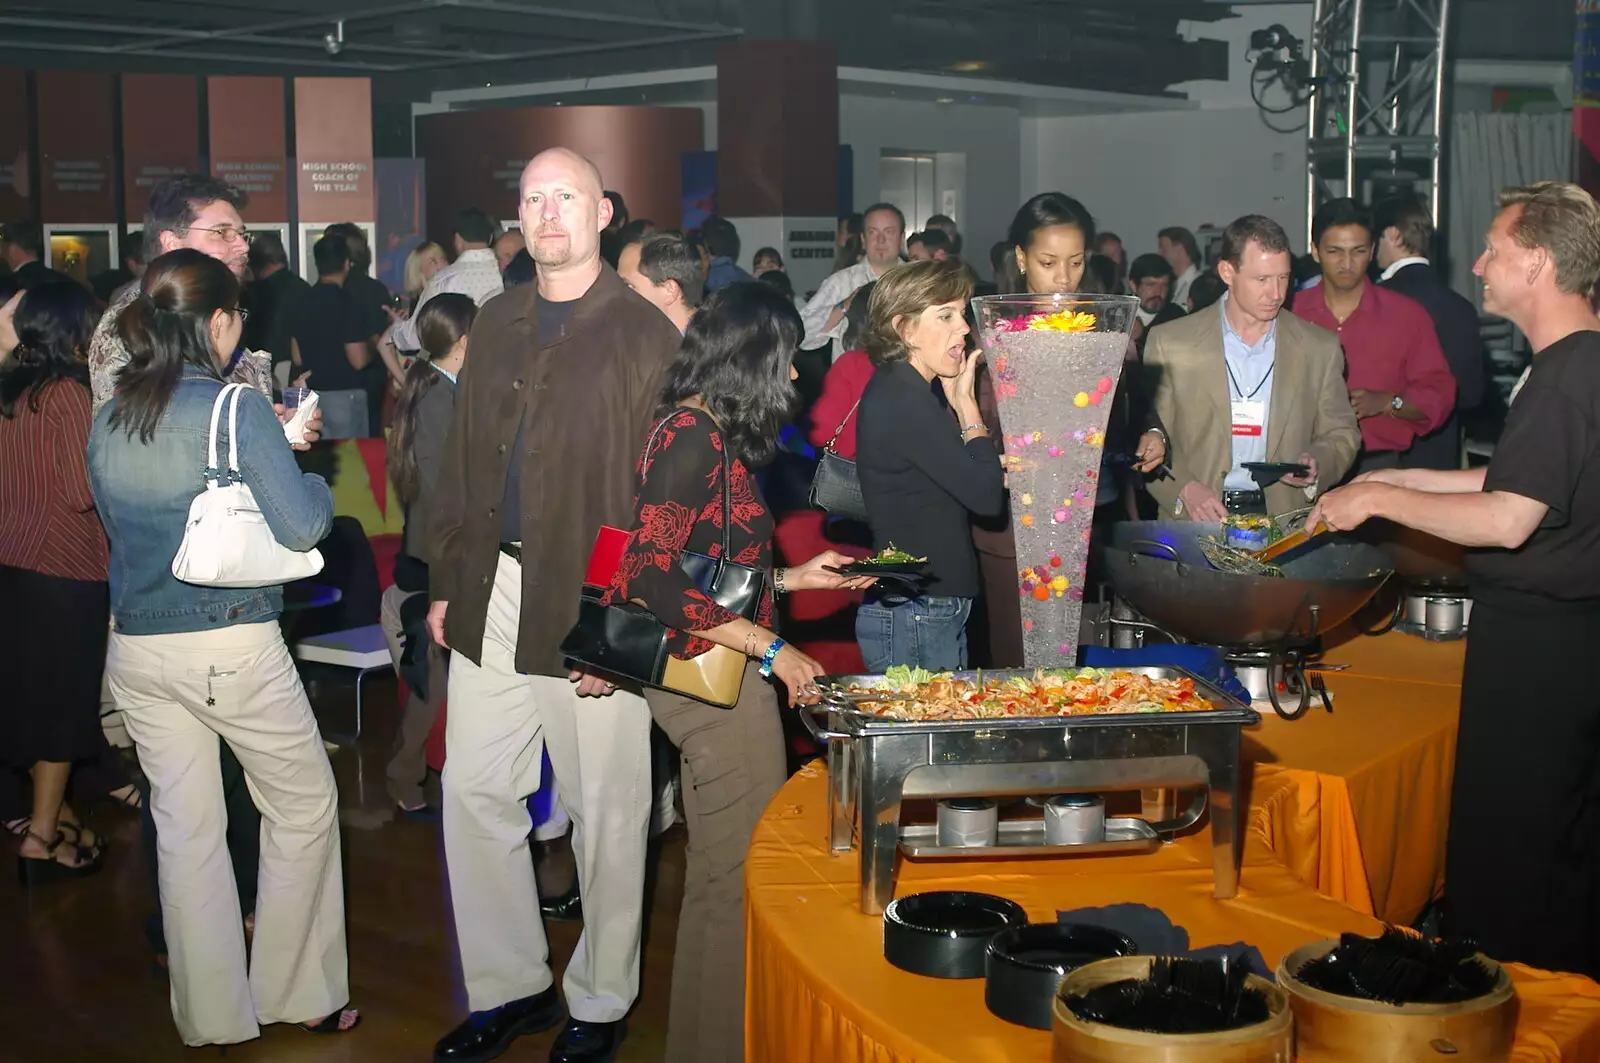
x=678, y=508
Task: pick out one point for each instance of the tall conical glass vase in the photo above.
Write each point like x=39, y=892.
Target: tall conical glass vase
x=1055, y=361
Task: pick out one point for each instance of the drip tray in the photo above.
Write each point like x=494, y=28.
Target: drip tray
x=1025, y=837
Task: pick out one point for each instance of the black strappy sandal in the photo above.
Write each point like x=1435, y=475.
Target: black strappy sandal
x=36, y=870
x=74, y=836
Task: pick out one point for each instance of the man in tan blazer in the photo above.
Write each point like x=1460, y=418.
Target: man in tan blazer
x=1240, y=381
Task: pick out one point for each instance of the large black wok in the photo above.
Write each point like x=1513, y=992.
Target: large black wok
x=1422, y=562
x=1158, y=569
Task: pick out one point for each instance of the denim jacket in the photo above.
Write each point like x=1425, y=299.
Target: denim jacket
x=143, y=491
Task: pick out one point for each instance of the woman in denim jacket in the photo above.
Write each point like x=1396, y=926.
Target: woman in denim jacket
x=188, y=664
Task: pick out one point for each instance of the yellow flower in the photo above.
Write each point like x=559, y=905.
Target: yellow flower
x=1058, y=584
x=1063, y=321
x=1081, y=399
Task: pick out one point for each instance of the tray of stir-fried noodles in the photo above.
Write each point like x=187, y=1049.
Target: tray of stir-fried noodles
x=1059, y=694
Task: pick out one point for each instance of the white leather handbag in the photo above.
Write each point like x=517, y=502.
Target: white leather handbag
x=227, y=542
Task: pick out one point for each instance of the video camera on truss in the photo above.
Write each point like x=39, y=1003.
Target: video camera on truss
x=1279, y=57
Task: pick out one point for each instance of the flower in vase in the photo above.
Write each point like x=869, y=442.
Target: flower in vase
x=1062, y=321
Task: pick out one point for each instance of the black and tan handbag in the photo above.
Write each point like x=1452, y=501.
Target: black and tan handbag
x=835, y=488
x=625, y=639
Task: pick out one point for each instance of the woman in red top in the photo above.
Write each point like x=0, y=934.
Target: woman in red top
x=833, y=416
x=727, y=394
x=52, y=570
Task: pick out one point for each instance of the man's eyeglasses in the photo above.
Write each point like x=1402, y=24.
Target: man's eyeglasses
x=226, y=233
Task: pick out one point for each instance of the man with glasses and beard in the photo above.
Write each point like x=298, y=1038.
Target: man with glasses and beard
x=185, y=211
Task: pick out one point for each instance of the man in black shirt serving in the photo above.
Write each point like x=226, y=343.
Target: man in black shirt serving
x=1523, y=869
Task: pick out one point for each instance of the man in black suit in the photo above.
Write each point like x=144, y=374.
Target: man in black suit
x=22, y=247
x=1405, y=236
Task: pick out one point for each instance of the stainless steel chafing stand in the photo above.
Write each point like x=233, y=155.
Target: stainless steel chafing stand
x=875, y=763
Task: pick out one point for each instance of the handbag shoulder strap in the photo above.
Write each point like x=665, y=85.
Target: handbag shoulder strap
x=727, y=468
x=233, y=430
x=838, y=431
x=213, y=472
x=649, y=444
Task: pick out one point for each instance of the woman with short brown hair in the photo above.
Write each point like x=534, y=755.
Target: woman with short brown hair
x=925, y=466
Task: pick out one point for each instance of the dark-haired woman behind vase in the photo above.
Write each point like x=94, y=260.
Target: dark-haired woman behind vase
x=1049, y=238
x=727, y=394
x=189, y=665
x=926, y=467
x=53, y=604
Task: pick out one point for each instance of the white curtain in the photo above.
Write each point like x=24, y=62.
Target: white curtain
x=1487, y=153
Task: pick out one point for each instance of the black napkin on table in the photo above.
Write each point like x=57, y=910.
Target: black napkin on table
x=1156, y=935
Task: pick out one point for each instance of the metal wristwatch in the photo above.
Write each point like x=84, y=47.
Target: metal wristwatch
x=1397, y=404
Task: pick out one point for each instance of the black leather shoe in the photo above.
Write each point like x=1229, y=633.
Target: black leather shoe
x=486, y=1034
x=567, y=908
x=588, y=1042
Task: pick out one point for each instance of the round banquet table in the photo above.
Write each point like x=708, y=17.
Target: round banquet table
x=1346, y=818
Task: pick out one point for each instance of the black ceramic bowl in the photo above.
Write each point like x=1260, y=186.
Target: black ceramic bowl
x=1025, y=965
x=944, y=935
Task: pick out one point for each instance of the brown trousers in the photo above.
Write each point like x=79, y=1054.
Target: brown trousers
x=733, y=763
x=408, y=758
x=1002, y=613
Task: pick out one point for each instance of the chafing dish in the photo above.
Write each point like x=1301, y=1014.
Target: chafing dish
x=875, y=763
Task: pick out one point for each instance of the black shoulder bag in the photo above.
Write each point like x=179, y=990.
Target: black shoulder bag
x=835, y=488
x=625, y=639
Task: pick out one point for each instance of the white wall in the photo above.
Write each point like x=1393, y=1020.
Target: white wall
x=1138, y=173
x=989, y=136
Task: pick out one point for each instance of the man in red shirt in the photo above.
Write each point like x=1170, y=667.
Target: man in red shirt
x=1401, y=387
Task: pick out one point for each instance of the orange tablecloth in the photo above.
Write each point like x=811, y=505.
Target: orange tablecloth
x=1356, y=803
x=820, y=990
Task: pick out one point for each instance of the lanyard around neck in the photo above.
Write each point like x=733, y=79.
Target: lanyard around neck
x=1239, y=391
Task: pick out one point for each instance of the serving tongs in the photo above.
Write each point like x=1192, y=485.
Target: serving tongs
x=1289, y=544
x=819, y=698
x=1267, y=561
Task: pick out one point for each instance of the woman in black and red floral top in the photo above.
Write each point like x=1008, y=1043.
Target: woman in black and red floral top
x=730, y=389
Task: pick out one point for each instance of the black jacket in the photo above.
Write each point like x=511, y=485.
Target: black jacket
x=272, y=301
x=920, y=482
x=1456, y=323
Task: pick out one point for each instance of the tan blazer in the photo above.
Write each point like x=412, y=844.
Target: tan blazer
x=1310, y=410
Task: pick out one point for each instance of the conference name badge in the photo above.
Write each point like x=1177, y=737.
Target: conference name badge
x=1249, y=417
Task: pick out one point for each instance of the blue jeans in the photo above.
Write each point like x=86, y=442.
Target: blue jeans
x=925, y=632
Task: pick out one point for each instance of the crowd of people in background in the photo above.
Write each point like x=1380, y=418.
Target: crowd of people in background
x=521, y=378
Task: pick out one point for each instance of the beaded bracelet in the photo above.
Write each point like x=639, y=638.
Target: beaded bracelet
x=770, y=656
